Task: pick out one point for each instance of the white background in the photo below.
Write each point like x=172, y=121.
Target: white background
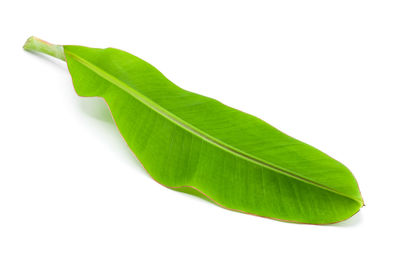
x=71, y=192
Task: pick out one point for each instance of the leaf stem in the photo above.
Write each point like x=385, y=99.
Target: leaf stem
x=35, y=44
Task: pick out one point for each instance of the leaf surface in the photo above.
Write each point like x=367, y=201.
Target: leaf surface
x=198, y=145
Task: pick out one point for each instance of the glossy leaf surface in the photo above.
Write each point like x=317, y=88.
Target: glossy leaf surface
x=194, y=143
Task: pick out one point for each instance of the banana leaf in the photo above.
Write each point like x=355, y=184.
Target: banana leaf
x=196, y=144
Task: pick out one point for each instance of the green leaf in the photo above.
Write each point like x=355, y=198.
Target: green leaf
x=198, y=145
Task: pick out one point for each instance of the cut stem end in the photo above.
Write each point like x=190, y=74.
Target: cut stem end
x=35, y=44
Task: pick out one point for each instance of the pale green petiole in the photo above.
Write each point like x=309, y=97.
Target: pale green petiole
x=35, y=44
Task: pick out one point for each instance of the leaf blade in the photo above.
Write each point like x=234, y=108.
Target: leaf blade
x=147, y=78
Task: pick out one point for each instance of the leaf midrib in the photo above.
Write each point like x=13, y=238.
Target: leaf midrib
x=187, y=126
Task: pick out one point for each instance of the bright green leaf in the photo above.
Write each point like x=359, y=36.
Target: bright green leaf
x=198, y=145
